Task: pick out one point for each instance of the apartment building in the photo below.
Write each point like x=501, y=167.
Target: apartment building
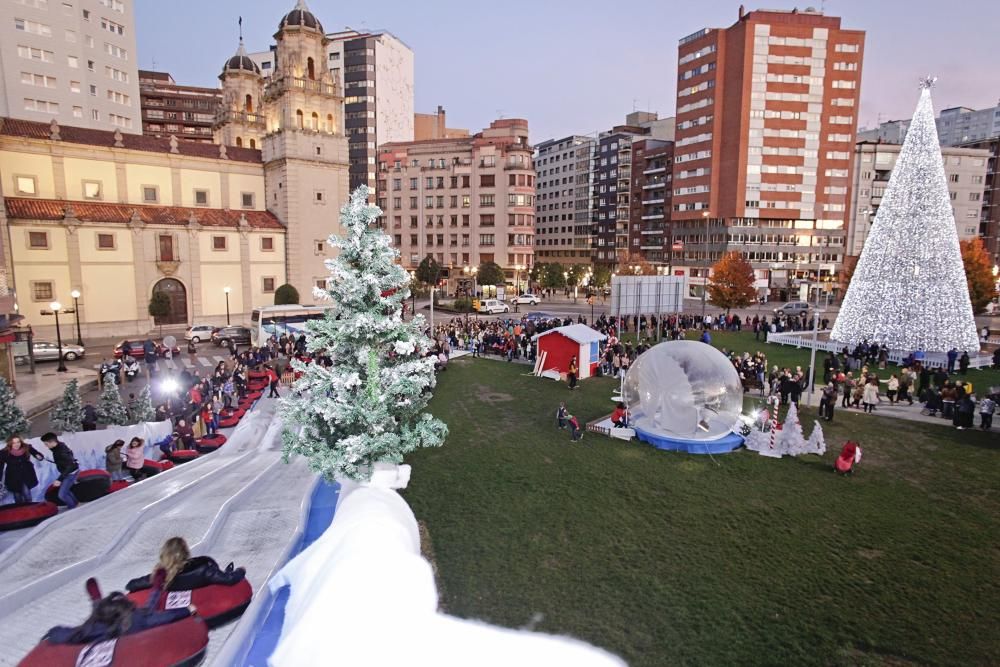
x=955, y=126
x=649, y=219
x=435, y=126
x=375, y=71
x=464, y=201
x=73, y=61
x=186, y=112
x=563, y=199
x=766, y=126
x=989, y=218
x=965, y=169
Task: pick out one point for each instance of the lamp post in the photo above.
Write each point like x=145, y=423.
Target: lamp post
x=704, y=277
x=227, y=290
x=56, y=307
x=812, y=354
x=76, y=311
x=413, y=295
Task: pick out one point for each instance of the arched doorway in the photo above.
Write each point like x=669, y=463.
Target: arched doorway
x=174, y=289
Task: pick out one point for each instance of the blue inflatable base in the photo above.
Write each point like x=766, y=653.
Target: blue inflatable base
x=726, y=443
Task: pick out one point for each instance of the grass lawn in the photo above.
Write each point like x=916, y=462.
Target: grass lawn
x=670, y=559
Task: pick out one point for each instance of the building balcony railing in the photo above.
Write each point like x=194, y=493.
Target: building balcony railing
x=275, y=87
x=654, y=170
x=650, y=202
x=656, y=184
x=653, y=216
x=227, y=116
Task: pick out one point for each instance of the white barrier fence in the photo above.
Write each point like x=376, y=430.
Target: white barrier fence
x=803, y=339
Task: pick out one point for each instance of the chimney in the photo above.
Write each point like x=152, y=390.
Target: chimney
x=742, y=12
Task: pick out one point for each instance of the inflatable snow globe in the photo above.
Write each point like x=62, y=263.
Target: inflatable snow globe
x=685, y=395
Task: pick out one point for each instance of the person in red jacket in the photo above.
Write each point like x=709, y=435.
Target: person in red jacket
x=272, y=379
x=620, y=416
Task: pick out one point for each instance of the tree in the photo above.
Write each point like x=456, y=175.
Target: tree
x=429, y=271
x=731, y=284
x=12, y=421
x=907, y=291
x=636, y=265
x=67, y=417
x=791, y=441
x=141, y=409
x=602, y=276
x=978, y=274
x=286, y=294
x=369, y=406
x=490, y=273
x=576, y=273
x=110, y=409
x=159, y=308
x=553, y=276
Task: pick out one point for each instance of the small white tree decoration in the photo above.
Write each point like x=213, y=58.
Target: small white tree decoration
x=110, y=408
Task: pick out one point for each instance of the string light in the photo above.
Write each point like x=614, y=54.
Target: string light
x=909, y=289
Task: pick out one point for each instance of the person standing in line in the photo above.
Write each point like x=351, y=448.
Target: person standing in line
x=67, y=466
x=16, y=459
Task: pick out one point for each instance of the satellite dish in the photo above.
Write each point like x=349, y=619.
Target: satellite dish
x=169, y=341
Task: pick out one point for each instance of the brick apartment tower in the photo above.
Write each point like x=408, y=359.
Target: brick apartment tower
x=766, y=119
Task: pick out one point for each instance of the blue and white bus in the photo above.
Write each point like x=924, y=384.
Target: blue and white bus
x=276, y=320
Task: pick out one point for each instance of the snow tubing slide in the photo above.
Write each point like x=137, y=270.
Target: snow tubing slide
x=179, y=644
x=232, y=420
x=182, y=456
x=150, y=467
x=90, y=485
x=25, y=515
x=216, y=603
x=209, y=443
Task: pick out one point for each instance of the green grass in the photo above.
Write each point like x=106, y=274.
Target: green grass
x=671, y=559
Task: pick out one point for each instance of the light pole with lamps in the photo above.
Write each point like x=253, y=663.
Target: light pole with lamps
x=227, y=290
x=704, y=270
x=76, y=311
x=56, y=307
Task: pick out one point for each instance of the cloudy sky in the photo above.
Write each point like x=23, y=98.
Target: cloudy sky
x=577, y=66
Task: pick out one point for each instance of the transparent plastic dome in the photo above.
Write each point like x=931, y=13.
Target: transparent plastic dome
x=683, y=389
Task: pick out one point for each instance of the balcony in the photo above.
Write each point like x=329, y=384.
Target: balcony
x=653, y=216
x=654, y=170
x=276, y=87
x=656, y=184
x=247, y=118
x=651, y=202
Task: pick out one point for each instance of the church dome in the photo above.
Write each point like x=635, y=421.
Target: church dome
x=300, y=17
x=240, y=62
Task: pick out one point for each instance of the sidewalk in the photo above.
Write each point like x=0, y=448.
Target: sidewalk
x=39, y=392
x=882, y=409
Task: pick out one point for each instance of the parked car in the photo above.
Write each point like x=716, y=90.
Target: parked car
x=530, y=299
x=240, y=335
x=136, y=345
x=491, y=306
x=200, y=332
x=792, y=308
x=538, y=316
x=46, y=351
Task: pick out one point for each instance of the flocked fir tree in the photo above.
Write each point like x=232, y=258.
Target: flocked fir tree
x=110, y=408
x=12, y=421
x=368, y=407
x=67, y=417
x=908, y=289
x=817, y=441
x=141, y=409
x=791, y=440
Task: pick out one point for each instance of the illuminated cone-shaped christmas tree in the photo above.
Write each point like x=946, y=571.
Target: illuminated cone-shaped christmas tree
x=909, y=289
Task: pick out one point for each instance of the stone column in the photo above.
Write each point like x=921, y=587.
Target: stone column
x=245, y=276
x=144, y=271
x=59, y=176
x=194, y=245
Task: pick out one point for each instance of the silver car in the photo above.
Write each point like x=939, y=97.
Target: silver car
x=46, y=351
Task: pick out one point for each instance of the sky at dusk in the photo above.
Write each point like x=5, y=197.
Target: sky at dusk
x=579, y=66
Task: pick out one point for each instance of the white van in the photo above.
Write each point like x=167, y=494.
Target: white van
x=491, y=306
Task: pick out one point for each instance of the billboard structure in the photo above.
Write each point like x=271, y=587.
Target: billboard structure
x=646, y=295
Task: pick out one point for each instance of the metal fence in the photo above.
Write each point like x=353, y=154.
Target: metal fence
x=803, y=339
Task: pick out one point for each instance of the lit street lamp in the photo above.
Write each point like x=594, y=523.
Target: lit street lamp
x=76, y=310
x=56, y=307
x=227, y=290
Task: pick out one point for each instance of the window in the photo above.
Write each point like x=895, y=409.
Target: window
x=487, y=200
x=26, y=185
x=41, y=291
x=74, y=86
x=77, y=112
x=93, y=90
x=486, y=239
x=247, y=199
x=953, y=178
x=31, y=53
x=320, y=247
x=105, y=241
x=319, y=196
x=33, y=27
x=267, y=243
x=38, y=240
x=977, y=180
x=150, y=194
x=974, y=196
x=41, y=106
x=267, y=284
x=487, y=181
x=218, y=243
x=486, y=220
x=201, y=197
x=91, y=189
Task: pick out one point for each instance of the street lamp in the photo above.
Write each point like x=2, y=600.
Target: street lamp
x=704, y=277
x=56, y=307
x=76, y=310
x=227, y=290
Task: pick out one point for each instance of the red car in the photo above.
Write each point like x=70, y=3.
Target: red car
x=161, y=349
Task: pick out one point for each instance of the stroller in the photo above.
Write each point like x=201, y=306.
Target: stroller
x=849, y=457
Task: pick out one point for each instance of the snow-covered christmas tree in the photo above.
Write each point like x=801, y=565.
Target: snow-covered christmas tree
x=141, y=409
x=368, y=407
x=791, y=441
x=67, y=417
x=909, y=289
x=817, y=441
x=12, y=421
x=110, y=409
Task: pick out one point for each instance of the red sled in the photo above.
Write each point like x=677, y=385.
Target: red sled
x=182, y=456
x=90, y=485
x=25, y=515
x=216, y=603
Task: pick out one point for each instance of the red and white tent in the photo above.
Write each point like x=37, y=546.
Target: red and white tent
x=557, y=347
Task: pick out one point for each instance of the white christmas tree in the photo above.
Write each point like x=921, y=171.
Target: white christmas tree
x=12, y=421
x=141, y=409
x=67, y=417
x=110, y=409
x=367, y=407
x=817, y=441
x=909, y=289
x=791, y=440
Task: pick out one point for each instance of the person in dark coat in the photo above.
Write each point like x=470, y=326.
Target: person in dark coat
x=67, y=466
x=15, y=458
x=963, y=363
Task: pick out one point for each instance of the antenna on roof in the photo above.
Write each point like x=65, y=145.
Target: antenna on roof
x=240, y=22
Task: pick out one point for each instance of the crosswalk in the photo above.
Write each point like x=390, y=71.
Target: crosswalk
x=185, y=361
